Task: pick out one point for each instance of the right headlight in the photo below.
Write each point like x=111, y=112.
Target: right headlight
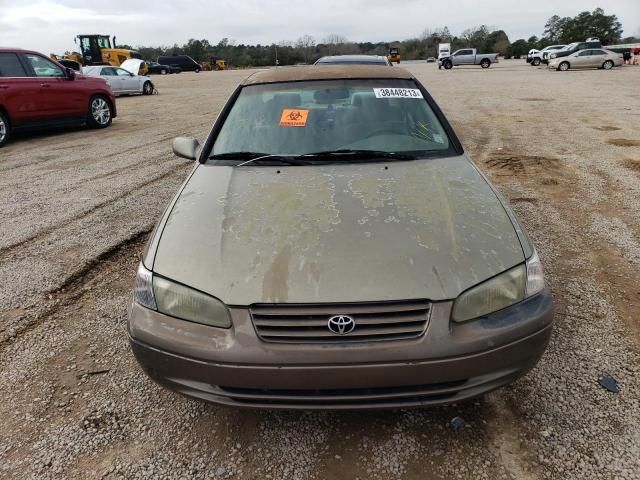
x=501, y=291
x=176, y=300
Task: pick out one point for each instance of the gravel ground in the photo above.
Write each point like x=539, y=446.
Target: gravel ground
x=76, y=207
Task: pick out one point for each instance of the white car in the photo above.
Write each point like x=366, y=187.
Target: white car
x=123, y=81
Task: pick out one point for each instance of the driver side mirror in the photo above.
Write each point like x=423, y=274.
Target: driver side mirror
x=186, y=147
x=70, y=73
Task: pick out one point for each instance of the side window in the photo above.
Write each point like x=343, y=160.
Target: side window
x=598, y=52
x=584, y=53
x=464, y=52
x=108, y=71
x=10, y=66
x=122, y=72
x=43, y=67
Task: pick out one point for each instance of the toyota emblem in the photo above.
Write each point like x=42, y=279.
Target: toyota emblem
x=341, y=324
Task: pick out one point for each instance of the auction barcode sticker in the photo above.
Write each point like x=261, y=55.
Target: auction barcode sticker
x=397, y=93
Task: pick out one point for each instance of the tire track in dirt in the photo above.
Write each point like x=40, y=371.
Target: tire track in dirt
x=9, y=250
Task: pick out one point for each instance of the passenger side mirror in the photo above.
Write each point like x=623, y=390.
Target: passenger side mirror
x=70, y=73
x=186, y=147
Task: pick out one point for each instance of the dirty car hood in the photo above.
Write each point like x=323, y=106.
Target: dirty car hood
x=426, y=229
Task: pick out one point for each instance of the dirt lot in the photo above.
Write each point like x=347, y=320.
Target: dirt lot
x=77, y=206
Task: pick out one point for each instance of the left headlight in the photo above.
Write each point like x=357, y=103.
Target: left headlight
x=179, y=301
x=501, y=291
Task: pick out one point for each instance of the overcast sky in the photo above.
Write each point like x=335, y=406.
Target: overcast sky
x=50, y=25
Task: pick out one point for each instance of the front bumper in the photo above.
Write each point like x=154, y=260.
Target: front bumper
x=448, y=363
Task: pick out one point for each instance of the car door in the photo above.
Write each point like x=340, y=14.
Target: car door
x=59, y=96
x=582, y=59
x=597, y=58
x=130, y=83
x=112, y=78
x=463, y=57
x=19, y=92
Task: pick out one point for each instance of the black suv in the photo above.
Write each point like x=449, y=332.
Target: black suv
x=184, y=62
x=574, y=47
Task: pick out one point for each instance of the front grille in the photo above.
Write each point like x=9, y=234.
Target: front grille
x=346, y=396
x=375, y=321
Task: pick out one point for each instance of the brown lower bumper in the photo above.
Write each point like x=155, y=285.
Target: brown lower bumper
x=366, y=386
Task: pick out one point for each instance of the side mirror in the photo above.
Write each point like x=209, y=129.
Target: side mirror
x=186, y=147
x=70, y=73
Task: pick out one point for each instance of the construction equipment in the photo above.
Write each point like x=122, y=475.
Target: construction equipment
x=394, y=55
x=214, y=64
x=96, y=49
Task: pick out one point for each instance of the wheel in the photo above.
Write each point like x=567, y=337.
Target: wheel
x=485, y=63
x=608, y=65
x=447, y=64
x=536, y=62
x=100, y=112
x=147, y=88
x=163, y=72
x=5, y=129
x=563, y=67
x=197, y=70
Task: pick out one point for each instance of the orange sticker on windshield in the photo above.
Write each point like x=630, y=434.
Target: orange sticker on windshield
x=294, y=117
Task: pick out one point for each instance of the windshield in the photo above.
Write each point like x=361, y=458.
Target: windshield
x=298, y=118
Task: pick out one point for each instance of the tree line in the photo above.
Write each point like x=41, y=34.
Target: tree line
x=306, y=49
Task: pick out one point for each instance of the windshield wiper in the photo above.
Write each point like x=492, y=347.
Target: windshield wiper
x=251, y=157
x=366, y=155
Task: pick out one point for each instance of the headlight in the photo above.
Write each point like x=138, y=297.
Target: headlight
x=179, y=301
x=492, y=295
x=553, y=55
x=501, y=291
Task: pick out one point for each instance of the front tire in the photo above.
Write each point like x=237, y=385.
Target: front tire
x=564, y=66
x=100, y=112
x=447, y=65
x=608, y=65
x=485, y=63
x=147, y=88
x=163, y=72
x=197, y=70
x=5, y=129
x=536, y=62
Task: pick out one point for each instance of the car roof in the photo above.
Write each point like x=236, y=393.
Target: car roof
x=326, y=72
x=19, y=50
x=353, y=58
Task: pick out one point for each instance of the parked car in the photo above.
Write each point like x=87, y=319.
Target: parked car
x=37, y=92
x=468, y=56
x=354, y=60
x=431, y=60
x=155, y=67
x=575, y=47
x=536, y=57
x=122, y=81
x=343, y=253
x=184, y=62
x=531, y=54
x=592, y=58
x=547, y=51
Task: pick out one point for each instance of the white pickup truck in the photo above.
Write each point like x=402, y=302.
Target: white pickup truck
x=468, y=56
x=536, y=57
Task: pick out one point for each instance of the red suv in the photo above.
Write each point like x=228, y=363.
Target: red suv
x=37, y=92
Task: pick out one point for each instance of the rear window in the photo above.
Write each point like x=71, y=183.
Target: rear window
x=299, y=118
x=10, y=66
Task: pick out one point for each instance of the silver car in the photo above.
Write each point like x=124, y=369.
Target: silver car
x=121, y=81
x=590, y=58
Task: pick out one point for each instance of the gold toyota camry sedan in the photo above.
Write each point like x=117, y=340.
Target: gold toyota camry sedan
x=334, y=247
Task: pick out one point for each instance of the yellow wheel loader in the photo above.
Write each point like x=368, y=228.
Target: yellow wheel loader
x=96, y=50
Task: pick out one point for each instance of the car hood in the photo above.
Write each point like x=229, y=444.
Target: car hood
x=425, y=229
x=132, y=65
